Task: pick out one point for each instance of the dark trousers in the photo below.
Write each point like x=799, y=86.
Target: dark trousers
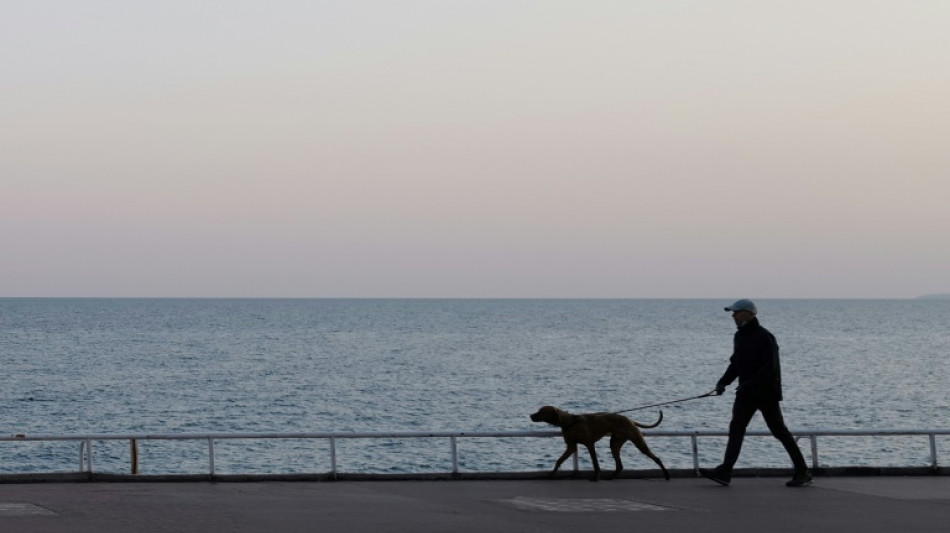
x=742, y=412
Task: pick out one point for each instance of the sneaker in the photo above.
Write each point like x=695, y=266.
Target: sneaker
x=718, y=475
x=800, y=480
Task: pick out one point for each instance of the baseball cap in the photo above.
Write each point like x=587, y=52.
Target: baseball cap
x=742, y=305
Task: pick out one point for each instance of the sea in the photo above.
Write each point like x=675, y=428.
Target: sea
x=187, y=366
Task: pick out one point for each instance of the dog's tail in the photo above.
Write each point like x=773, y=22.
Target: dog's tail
x=657, y=423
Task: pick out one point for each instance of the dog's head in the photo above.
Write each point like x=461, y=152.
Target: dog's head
x=551, y=415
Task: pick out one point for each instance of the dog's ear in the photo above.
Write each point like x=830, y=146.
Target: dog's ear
x=561, y=417
x=547, y=414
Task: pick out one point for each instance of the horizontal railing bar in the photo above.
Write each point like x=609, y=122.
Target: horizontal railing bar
x=446, y=434
x=318, y=435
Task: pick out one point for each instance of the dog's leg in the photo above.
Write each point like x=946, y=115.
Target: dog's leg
x=593, y=459
x=642, y=446
x=616, y=442
x=571, y=450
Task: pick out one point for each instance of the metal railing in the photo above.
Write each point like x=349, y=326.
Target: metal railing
x=86, y=462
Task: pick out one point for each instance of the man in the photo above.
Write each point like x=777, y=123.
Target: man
x=755, y=362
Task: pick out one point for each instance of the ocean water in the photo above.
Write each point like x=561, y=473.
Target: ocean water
x=74, y=366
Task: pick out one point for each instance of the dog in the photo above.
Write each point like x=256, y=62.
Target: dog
x=589, y=428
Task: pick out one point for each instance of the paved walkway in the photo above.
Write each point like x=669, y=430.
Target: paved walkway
x=836, y=504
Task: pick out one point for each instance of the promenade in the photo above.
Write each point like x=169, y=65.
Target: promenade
x=693, y=505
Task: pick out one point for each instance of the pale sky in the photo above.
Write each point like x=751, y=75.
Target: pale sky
x=455, y=148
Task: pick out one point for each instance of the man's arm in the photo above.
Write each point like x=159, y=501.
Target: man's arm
x=728, y=377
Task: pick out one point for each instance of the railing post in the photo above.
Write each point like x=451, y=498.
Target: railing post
x=695, y=442
x=82, y=456
x=933, y=450
x=134, y=453
x=814, y=451
x=211, y=456
x=333, y=457
x=89, y=455
x=455, y=454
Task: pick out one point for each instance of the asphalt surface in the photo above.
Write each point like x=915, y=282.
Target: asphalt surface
x=834, y=504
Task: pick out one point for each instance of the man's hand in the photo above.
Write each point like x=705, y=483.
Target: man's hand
x=719, y=390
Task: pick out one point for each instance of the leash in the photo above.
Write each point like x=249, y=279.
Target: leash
x=710, y=393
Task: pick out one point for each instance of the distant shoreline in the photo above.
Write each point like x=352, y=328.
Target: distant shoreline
x=943, y=296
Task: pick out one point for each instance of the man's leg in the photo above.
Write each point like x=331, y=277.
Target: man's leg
x=742, y=413
x=772, y=413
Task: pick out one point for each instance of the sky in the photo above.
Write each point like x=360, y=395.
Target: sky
x=475, y=149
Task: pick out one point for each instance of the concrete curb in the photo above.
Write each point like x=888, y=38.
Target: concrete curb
x=83, y=477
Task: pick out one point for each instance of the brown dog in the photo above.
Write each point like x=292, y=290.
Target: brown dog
x=587, y=429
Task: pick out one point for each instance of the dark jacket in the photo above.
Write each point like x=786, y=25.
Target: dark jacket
x=755, y=362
